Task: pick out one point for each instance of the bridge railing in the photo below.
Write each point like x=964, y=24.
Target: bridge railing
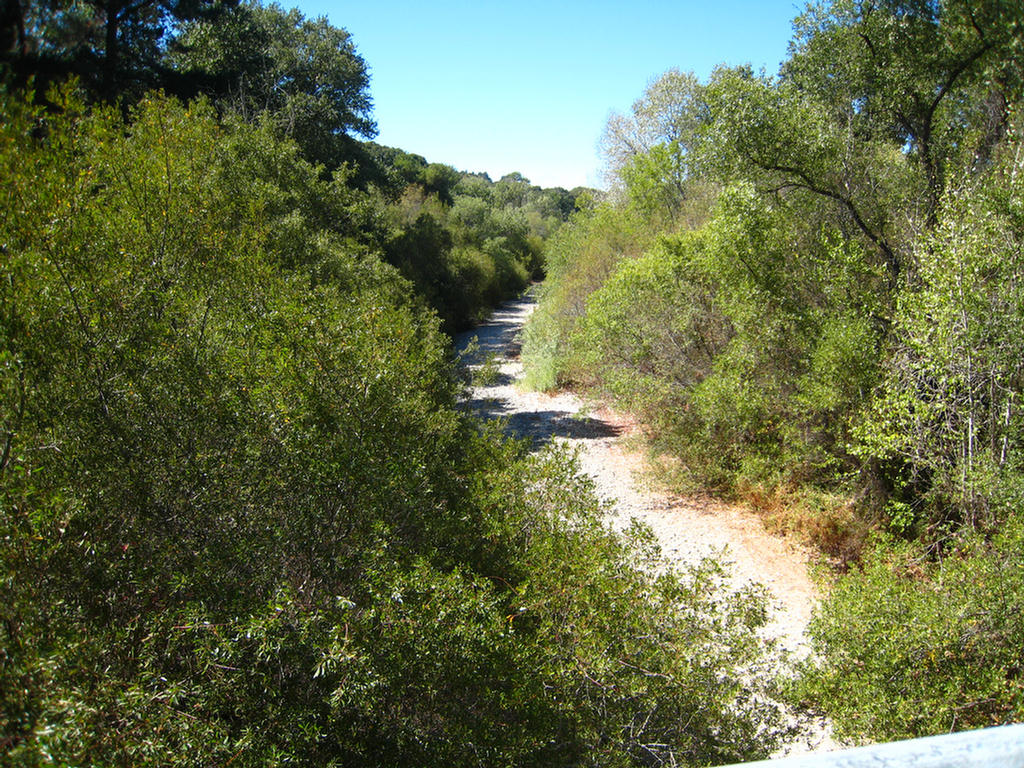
x=1001, y=747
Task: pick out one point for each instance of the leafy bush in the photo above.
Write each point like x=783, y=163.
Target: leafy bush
x=462, y=252
x=948, y=408
x=909, y=648
x=578, y=259
x=740, y=351
x=652, y=329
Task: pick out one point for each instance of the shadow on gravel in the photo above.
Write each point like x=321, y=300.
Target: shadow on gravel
x=499, y=380
x=541, y=427
x=497, y=336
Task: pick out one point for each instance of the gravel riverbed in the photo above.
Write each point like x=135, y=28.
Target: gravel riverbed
x=687, y=528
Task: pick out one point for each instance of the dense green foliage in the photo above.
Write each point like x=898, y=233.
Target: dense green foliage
x=243, y=519
x=811, y=283
x=578, y=259
x=465, y=242
x=302, y=75
x=948, y=411
x=113, y=47
x=915, y=648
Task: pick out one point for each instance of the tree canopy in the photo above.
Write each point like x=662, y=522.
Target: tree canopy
x=303, y=75
x=112, y=46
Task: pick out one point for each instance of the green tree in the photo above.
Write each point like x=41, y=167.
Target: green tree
x=648, y=152
x=772, y=134
x=932, y=78
x=511, y=190
x=441, y=179
x=113, y=47
x=874, y=102
x=303, y=75
x=668, y=112
x=948, y=409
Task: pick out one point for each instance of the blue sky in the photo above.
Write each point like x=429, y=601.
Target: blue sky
x=527, y=86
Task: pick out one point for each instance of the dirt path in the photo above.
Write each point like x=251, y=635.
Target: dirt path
x=687, y=528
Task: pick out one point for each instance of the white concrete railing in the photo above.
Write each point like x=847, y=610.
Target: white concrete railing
x=1001, y=747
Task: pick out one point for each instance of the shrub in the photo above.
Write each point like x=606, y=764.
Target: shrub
x=579, y=257
x=909, y=648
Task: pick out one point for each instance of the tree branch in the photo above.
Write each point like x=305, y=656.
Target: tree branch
x=892, y=262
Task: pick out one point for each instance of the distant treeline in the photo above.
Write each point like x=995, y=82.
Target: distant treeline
x=464, y=241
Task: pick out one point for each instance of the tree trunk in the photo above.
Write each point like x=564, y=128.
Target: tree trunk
x=12, y=30
x=110, y=49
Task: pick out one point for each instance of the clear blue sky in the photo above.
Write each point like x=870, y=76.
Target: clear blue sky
x=527, y=86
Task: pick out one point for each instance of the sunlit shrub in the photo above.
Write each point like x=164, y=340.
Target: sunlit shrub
x=913, y=648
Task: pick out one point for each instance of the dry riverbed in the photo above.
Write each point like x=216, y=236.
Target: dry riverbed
x=687, y=529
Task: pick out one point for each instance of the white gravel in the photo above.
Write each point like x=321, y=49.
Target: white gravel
x=687, y=528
